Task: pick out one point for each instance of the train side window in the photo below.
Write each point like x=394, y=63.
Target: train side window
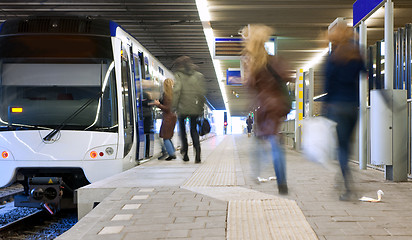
x=142, y=65
x=127, y=102
x=113, y=91
x=108, y=114
x=138, y=88
x=146, y=69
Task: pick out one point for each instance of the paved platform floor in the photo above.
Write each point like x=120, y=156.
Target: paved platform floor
x=219, y=199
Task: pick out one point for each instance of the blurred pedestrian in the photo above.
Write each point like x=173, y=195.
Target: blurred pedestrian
x=342, y=70
x=148, y=117
x=249, y=123
x=266, y=78
x=168, y=118
x=188, y=101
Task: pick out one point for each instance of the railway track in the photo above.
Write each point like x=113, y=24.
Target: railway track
x=39, y=225
x=19, y=221
x=29, y=223
x=7, y=193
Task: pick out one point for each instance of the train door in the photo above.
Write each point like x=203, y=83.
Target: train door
x=137, y=70
x=148, y=113
x=127, y=95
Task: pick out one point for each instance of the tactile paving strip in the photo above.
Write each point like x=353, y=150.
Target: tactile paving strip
x=251, y=214
x=267, y=219
x=217, y=170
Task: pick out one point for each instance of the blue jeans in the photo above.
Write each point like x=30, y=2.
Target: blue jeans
x=168, y=145
x=345, y=115
x=279, y=162
x=278, y=157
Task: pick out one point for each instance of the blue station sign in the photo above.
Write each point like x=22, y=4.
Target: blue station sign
x=233, y=76
x=363, y=8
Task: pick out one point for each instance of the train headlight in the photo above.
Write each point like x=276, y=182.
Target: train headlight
x=109, y=151
x=93, y=154
x=50, y=193
x=5, y=154
x=37, y=193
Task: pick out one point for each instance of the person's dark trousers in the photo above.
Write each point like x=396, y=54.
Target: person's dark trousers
x=345, y=115
x=194, y=134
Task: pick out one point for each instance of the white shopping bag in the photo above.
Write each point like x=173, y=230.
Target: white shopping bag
x=319, y=140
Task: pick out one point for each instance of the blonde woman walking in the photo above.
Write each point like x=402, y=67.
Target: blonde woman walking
x=265, y=77
x=169, y=118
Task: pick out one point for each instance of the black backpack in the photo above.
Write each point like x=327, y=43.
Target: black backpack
x=204, y=126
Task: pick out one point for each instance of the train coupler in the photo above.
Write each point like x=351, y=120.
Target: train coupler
x=44, y=192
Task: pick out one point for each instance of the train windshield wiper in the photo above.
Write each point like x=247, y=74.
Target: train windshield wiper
x=104, y=129
x=49, y=136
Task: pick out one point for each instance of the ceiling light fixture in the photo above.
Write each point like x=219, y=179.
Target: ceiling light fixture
x=236, y=94
x=317, y=59
x=202, y=8
x=319, y=96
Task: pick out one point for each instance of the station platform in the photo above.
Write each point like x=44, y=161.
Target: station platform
x=219, y=199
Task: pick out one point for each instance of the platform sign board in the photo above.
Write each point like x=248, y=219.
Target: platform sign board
x=233, y=76
x=231, y=48
x=364, y=8
x=228, y=48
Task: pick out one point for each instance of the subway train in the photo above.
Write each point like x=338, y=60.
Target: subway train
x=73, y=110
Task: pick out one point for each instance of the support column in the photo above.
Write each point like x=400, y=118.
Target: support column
x=363, y=93
x=397, y=171
x=389, y=58
x=311, y=92
x=299, y=107
x=389, y=55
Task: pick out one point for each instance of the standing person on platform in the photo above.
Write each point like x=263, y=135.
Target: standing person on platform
x=342, y=85
x=169, y=118
x=148, y=127
x=266, y=78
x=188, y=101
x=249, y=123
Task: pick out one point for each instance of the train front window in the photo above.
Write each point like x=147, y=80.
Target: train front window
x=50, y=94
x=47, y=80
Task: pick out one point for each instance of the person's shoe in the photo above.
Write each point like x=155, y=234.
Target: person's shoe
x=347, y=196
x=162, y=157
x=170, y=158
x=197, y=159
x=185, y=158
x=283, y=189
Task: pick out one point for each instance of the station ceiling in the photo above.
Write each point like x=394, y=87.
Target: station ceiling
x=172, y=28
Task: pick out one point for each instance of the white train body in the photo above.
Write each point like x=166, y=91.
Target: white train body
x=93, y=69
x=28, y=150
